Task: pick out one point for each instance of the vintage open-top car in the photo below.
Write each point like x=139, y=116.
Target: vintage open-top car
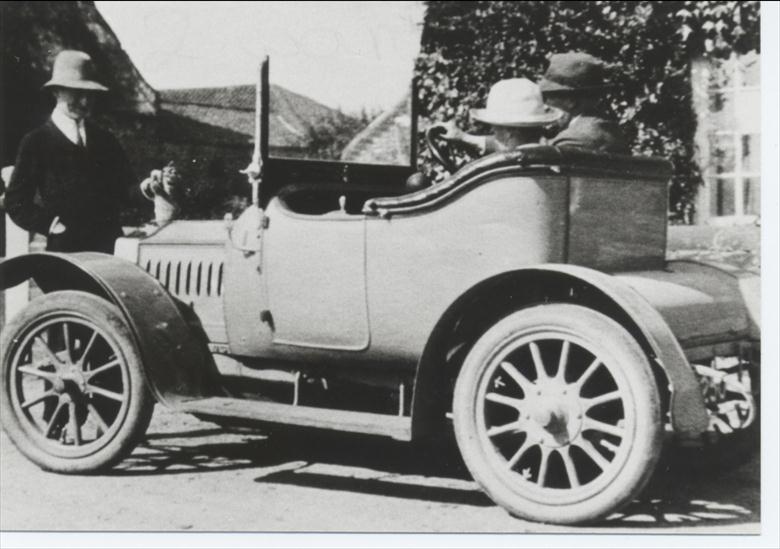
x=524, y=302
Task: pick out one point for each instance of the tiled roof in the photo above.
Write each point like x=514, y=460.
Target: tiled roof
x=233, y=108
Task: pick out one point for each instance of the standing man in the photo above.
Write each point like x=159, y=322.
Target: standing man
x=575, y=83
x=70, y=175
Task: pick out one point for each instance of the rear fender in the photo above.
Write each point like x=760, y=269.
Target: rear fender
x=687, y=409
x=176, y=361
x=594, y=289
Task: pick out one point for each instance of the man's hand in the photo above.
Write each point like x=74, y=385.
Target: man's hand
x=454, y=133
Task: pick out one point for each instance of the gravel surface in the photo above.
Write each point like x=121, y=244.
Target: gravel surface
x=193, y=476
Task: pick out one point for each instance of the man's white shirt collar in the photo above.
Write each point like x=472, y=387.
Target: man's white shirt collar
x=70, y=127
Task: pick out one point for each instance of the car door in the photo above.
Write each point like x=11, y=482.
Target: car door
x=315, y=279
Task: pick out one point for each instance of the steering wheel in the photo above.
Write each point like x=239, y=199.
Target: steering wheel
x=441, y=152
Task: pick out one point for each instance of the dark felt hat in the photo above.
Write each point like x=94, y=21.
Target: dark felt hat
x=73, y=69
x=574, y=71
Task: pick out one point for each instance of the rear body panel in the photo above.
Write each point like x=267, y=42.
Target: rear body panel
x=702, y=304
x=617, y=224
x=419, y=264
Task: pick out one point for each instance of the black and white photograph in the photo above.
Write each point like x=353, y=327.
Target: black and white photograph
x=355, y=273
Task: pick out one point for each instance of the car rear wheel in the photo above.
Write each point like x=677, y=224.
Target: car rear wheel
x=557, y=414
x=74, y=398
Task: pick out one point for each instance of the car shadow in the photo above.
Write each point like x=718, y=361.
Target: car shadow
x=384, y=486
x=344, y=462
x=205, y=449
x=680, y=496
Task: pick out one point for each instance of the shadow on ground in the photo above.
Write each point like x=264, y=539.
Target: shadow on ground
x=679, y=496
x=676, y=496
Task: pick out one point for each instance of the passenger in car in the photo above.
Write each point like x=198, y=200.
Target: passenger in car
x=516, y=113
x=575, y=83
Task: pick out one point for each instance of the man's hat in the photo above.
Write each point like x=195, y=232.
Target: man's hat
x=73, y=69
x=574, y=71
x=516, y=102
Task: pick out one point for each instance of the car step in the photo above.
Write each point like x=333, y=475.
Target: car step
x=397, y=427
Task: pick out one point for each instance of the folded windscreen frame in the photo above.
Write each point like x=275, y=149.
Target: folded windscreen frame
x=335, y=132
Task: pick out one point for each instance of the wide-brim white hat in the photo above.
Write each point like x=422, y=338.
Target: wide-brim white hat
x=516, y=102
x=73, y=69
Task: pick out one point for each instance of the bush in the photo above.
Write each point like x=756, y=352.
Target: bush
x=468, y=46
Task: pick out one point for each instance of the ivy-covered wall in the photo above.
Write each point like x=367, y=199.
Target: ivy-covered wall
x=468, y=46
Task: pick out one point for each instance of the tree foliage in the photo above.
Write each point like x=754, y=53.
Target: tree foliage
x=468, y=46
x=327, y=136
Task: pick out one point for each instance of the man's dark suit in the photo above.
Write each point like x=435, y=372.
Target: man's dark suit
x=82, y=185
x=593, y=132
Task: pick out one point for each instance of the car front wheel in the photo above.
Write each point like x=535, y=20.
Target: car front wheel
x=74, y=399
x=557, y=414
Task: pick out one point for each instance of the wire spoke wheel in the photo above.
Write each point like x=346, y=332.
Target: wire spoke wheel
x=74, y=399
x=552, y=408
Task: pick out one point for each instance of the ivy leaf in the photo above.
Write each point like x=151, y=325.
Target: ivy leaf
x=685, y=32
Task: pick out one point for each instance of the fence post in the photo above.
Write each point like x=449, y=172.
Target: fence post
x=17, y=242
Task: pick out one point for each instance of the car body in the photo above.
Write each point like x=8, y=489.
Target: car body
x=340, y=301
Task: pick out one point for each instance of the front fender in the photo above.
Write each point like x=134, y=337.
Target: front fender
x=176, y=361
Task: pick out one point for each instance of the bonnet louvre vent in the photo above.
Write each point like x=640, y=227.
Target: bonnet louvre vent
x=189, y=278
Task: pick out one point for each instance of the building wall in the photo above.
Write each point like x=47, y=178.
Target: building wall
x=727, y=101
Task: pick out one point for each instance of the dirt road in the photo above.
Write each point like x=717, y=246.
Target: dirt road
x=192, y=476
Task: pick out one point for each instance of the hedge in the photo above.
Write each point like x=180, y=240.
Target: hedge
x=468, y=46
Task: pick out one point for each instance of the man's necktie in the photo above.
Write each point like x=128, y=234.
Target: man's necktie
x=79, y=139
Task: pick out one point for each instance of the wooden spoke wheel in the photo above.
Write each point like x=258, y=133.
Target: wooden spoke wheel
x=557, y=414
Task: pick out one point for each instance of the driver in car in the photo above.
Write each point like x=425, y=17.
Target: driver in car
x=516, y=113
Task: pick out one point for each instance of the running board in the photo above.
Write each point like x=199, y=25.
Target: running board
x=397, y=427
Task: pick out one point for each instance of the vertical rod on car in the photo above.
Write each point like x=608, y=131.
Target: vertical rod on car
x=255, y=169
x=296, y=388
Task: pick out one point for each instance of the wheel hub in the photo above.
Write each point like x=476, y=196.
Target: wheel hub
x=556, y=415
x=74, y=377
